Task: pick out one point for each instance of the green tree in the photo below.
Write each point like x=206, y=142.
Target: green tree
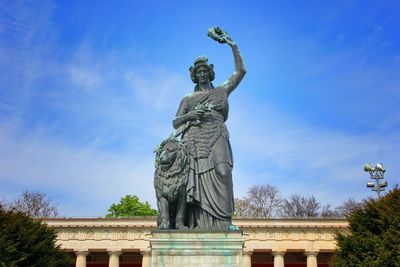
x=374, y=237
x=25, y=241
x=130, y=206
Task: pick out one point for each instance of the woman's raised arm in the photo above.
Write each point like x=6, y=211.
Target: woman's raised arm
x=240, y=69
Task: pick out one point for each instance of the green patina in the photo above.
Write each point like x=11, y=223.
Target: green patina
x=220, y=241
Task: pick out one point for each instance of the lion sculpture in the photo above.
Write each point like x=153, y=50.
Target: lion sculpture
x=170, y=180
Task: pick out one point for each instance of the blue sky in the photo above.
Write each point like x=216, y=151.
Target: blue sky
x=89, y=88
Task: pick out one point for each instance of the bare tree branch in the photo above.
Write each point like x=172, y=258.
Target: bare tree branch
x=300, y=207
x=348, y=207
x=262, y=201
x=241, y=208
x=2, y=205
x=35, y=204
x=328, y=212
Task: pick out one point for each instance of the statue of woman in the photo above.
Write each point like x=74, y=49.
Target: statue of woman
x=201, y=120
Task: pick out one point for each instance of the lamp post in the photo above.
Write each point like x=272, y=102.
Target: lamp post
x=376, y=174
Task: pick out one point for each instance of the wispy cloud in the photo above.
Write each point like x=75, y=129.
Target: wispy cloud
x=25, y=41
x=158, y=88
x=58, y=118
x=80, y=122
x=88, y=179
x=301, y=158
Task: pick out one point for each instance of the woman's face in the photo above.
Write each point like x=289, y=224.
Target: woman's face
x=202, y=75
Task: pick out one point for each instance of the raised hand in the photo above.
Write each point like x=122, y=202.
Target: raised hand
x=221, y=36
x=229, y=41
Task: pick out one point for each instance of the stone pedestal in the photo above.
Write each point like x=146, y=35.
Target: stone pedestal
x=196, y=249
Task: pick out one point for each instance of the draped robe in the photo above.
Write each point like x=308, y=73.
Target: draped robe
x=210, y=197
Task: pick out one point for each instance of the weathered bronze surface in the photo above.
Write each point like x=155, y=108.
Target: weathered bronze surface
x=200, y=125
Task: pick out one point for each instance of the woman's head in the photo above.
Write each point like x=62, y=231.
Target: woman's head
x=200, y=68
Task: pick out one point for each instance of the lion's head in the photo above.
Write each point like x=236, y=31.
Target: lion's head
x=171, y=157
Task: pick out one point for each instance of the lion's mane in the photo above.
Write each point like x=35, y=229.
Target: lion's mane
x=170, y=182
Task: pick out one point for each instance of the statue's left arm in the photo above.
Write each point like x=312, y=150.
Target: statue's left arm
x=240, y=69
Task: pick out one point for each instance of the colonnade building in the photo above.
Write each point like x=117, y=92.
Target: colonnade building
x=267, y=242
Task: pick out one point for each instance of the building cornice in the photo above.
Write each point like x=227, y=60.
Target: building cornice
x=150, y=222
x=94, y=234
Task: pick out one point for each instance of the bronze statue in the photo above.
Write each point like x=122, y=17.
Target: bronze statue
x=200, y=120
x=170, y=181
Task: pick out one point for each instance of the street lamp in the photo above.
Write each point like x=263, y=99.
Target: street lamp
x=376, y=174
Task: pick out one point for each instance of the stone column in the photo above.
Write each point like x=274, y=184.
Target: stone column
x=81, y=258
x=247, y=257
x=311, y=258
x=113, y=261
x=146, y=258
x=279, y=260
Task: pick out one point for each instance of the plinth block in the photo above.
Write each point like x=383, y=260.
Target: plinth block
x=174, y=248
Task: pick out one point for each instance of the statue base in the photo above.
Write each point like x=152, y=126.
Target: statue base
x=175, y=248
